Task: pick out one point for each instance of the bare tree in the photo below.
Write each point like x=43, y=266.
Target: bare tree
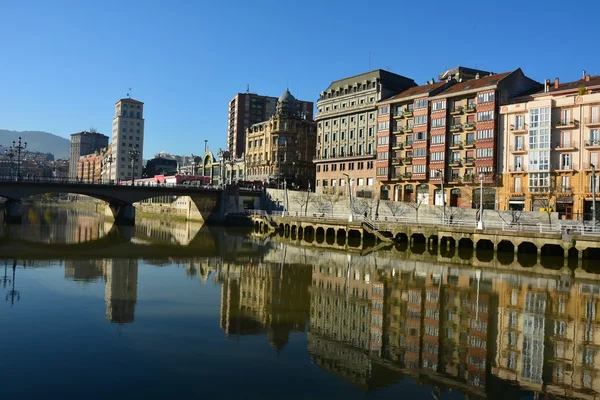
x=302, y=199
x=547, y=206
x=325, y=203
x=416, y=205
x=452, y=214
x=397, y=208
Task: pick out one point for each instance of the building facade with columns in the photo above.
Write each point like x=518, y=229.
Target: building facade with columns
x=282, y=148
x=551, y=144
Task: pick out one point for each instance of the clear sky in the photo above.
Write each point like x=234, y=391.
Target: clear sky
x=64, y=63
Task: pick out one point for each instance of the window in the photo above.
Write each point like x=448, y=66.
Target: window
x=437, y=122
x=382, y=171
x=383, y=126
x=539, y=181
x=419, y=169
x=419, y=152
x=382, y=141
x=420, y=104
x=437, y=156
x=485, y=116
x=420, y=136
x=420, y=120
x=485, y=134
x=483, y=153
x=438, y=139
x=438, y=105
x=385, y=110
x=361, y=133
x=383, y=155
x=485, y=97
x=370, y=131
x=565, y=161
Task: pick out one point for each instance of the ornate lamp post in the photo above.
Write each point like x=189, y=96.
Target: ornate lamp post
x=133, y=156
x=19, y=145
x=441, y=171
x=480, y=222
x=109, y=160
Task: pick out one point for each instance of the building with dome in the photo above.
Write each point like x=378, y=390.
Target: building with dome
x=281, y=149
x=247, y=109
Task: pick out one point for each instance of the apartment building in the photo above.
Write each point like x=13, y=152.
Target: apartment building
x=281, y=149
x=89, y=168
x=403, y=141
x=83, y=143
x=247, y=109
x=551, y=143
x=450, y=136
x=127, y=138
x=346, y=130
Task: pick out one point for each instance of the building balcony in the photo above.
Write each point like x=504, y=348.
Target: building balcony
x=398, y=114
x=408, y=129
x=592, y=122
x=407, y=113
x=469, y=144
x=397, y=145
x=516, y=191
x=406, y=160
x=564, y=168
x=470, y=108
x=397, y=160
x=456, y=145
x=456, y=111
x=469, y=161
x=540, y=189
x=468, y=178
x=398, y=130
x=593, y=144
x=518, y=149
x=456, y=128
x=342, y=157
x=517, y=170
x=408, y=145
x=455, y=162
x=566, y=124
x=406, y=176
x=469, y=126
x=567, y=146
x=454, y=180
x=564, y=191
x=588, y=166
x=518, y=129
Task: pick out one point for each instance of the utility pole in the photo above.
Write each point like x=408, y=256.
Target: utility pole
x=441, y=171
x=19, y=146
x=480, y=222
x=133, y=156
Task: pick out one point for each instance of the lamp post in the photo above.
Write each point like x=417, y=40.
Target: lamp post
x=480, y=222
x=593, y=197
x=109, y=160
x=350, y=216
x=10, y=154
x=285, y=197
x=441, y=171
x=193, y=164
x=19, y=146
x=133, y=156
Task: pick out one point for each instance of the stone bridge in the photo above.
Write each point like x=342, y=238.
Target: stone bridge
x=119, y=198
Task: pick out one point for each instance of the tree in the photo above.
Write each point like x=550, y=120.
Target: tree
x=547, y=205
x=325, y=203
x=302, y=200
x=397, y=208
x=452, y=214
x=417, y=203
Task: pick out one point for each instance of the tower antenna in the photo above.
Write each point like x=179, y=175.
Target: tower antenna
x=129, y=94
x=247, y=88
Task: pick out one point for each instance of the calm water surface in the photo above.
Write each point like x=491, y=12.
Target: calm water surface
x=177, y=310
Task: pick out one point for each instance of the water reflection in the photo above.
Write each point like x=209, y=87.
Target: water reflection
x=373, y=320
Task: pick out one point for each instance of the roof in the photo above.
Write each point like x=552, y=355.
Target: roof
x=371, y=75
x=570, y=86
x=417, y=90
x=474, y=84
x=131, y=101
x=461, y=71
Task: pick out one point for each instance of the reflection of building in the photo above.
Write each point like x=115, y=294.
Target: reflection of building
x=84, y=270
x=271, y=299
x=121, y=289
x=282, y=148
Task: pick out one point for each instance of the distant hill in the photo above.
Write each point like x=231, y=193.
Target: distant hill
x=38, y=141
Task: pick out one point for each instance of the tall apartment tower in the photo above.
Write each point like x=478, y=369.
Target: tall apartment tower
x=83, y=143
x=127, y=135
x=247, y=109
x=346, y=130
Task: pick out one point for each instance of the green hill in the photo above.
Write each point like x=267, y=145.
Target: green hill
x=38, y=141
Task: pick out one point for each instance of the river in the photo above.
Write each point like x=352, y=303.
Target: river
x=180, y=310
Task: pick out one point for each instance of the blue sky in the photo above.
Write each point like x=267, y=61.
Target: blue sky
x=64, y=63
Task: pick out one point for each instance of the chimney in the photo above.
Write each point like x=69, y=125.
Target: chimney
x=546, y=85
x=583, y=77
x=477, y=75
x=587, y=78
x=432, y=80
x=555, y=83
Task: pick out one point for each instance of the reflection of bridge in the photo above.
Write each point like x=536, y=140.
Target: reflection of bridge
x=120, y=199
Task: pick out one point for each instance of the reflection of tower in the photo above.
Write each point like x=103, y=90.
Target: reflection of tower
x=83, y=270
x=121, y=289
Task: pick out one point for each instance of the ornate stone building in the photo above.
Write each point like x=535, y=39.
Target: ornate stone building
x=282, y=148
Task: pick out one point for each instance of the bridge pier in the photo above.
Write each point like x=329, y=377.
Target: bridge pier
x=124, y=214
x=12, y=211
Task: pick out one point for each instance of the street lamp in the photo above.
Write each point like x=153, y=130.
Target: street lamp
x=109, y=160
x=193, y=164
x=593, y=197
x=441, y=171
x=480, y=222
x=350, y=216
x=133, y=156
x=19, y=146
